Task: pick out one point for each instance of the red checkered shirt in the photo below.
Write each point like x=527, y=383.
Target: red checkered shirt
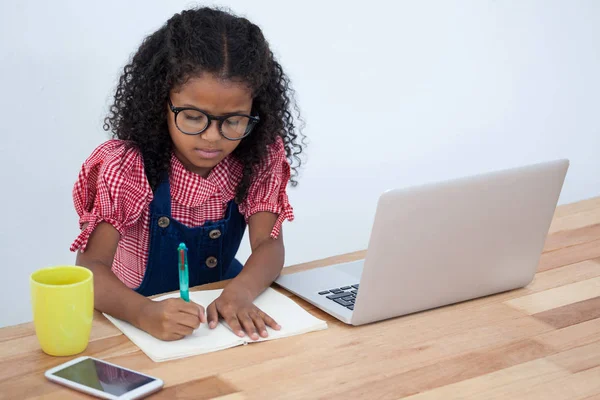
x=112, y=187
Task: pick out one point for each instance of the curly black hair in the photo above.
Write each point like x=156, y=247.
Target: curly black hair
x=192, y=42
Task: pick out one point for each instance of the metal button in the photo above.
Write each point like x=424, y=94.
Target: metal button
x=163, y=222
x=211, y=262
x=214, y=234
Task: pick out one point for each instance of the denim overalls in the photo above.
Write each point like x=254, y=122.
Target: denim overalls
x=211, y=247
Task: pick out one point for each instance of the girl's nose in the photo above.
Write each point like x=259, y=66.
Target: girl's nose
x=211, y=133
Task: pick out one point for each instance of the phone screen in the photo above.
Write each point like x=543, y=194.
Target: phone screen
x=103, y=377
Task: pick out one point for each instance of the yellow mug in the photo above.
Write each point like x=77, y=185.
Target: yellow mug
x=62, y=299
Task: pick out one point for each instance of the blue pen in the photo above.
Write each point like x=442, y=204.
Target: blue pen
x=184, y=283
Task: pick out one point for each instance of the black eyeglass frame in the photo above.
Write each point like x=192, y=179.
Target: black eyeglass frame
x=254, y=120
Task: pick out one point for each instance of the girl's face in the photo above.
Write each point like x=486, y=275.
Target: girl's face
x=200, y=153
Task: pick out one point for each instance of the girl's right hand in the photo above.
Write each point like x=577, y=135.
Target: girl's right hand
x=171, y=319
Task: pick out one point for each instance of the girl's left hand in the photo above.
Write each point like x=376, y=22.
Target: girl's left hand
x=242, y=316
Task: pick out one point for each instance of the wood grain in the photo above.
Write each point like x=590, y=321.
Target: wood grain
x=537, y=342
x=508, y=383
x=579, y=358
x=576, y=220
x=449, y=371
x=569, y=255
x=557, y=297
x=572, y=336
x=564, y=239
x=571, y=314
x=199, y=389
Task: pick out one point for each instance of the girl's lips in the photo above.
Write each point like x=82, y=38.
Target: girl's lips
x=207, y=153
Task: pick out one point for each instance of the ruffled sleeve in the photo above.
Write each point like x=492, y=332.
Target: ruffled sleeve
x=268, y=189
x=111, y=187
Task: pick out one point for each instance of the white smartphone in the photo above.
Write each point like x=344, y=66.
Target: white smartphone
x=103, y=379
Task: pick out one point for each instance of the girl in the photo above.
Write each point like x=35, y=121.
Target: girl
x=203, y=144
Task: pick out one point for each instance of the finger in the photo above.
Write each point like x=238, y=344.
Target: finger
x=182, y=330
x=268, y=320
x=248, y=325
x=212, y=315
x=259, y=324
x=190, y=308
x=170, y=337
x=189, y=320
x=234, y=324
x=201, y=314
x=194, y=308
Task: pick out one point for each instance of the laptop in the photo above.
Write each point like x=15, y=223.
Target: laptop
x=442, y=243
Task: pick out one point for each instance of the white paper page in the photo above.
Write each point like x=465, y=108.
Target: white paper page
x=293, y=319
x=203, y=340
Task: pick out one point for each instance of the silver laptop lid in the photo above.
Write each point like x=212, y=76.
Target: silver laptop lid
x=443, y=243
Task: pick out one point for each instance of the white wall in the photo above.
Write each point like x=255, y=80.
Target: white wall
x=394, y=93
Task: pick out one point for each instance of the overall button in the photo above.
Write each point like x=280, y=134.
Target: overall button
x=211, y=262
x=163, y=222
x=214, y=234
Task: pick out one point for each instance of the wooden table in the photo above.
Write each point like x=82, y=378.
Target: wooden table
x=540, y=342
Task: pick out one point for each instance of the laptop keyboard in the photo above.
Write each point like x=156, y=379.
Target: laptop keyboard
x=344, y=296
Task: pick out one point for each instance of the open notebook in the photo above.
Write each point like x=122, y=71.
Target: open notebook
x=292, y=318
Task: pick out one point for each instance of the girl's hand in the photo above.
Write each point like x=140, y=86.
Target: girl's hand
x=242, y=316
x=171, y=319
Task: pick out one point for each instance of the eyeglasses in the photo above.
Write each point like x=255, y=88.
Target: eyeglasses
x=192, y=121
